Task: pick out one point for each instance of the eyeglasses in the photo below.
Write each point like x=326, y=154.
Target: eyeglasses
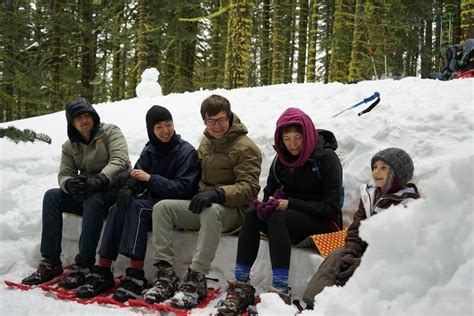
x=220, y=121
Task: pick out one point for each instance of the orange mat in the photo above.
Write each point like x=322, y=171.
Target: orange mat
x=329, y=242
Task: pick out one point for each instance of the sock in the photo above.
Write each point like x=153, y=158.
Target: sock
x=280, y=279
x=137, y=264
x=105, y=263
x=242, y=272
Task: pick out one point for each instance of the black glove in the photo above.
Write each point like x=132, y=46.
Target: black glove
x=76, y=187
x=123, y=200
x=129, y=188
x=96, y=184
x=205, y=199
x=349, y=264
x=122, y=179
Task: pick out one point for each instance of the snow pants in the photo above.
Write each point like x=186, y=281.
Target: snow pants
x=127, y=233
x=283, y=229
x=93, y=210
x=211, y=222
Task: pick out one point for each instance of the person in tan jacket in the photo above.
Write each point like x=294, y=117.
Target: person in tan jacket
x=231, y=166
x=91, y=161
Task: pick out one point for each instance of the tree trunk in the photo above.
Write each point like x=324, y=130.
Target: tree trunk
x=313, y=33
x=467, y=19
x=359, y=66
x=302, y=40
x=277, y=45
x=56, y=57
x=87, y=51
x=426, y=50
x=142, y=47
x=265, y=52
x=238, y=44
x=342, y=39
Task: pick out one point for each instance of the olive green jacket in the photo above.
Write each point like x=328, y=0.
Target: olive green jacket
x=107, y=153
x=232, y=163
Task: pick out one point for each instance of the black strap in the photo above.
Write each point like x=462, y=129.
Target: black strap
x=367, y=110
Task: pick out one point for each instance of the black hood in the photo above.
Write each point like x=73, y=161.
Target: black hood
x=76, y=108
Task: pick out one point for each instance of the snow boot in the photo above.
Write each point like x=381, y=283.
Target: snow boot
x=165, y=286
x=239, y=296
x=77, y=276
x=132, y=285
x=98, y=281
x=47, y=270
x=191, y=292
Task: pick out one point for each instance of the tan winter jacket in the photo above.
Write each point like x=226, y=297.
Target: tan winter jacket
x=232, y=163
x=107, y=153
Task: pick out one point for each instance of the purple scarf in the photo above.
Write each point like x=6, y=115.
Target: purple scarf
x=310, y=136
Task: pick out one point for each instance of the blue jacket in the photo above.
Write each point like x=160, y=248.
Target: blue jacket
x=174, y=175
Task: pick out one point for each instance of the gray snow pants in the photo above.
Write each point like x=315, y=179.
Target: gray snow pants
x=211, y=222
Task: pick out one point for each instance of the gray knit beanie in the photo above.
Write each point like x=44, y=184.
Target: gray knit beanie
x=398, y=160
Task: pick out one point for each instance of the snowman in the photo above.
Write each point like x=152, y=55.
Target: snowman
x=149, y=86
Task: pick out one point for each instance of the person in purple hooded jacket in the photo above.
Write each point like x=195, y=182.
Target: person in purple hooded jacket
x=302, y=200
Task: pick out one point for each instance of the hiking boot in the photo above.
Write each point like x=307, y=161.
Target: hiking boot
x=165, y=286
x=285, y=296
x=76, y=277
x=98, y=281
x=132, y=285
x=46, y=271
x=191, y=292
x=239, y=296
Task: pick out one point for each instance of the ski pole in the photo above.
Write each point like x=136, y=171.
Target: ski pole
x=368, y=99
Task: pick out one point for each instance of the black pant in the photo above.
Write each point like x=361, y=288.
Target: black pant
x=127, y=233
x=283, y=228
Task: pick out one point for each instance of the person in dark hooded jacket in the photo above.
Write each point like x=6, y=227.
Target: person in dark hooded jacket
x=168, y=168
x=298, y=203
x=392, y=168
x=92, y=159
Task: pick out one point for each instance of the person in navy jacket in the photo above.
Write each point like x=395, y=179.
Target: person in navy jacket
x=168, y=168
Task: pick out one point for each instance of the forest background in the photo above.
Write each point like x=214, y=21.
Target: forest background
x=53, y=51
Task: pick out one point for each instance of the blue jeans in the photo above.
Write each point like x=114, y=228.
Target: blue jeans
x=93, y=210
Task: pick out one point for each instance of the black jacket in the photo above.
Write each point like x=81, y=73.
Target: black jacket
x=316, y=192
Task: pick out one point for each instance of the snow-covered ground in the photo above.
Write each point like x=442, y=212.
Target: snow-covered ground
x=420, y=258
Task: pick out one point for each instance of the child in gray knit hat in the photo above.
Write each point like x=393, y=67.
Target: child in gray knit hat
x=392, y=168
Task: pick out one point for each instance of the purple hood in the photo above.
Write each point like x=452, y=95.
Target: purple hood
x=310, y=137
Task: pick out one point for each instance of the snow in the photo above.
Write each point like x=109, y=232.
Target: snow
x=420, y=258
